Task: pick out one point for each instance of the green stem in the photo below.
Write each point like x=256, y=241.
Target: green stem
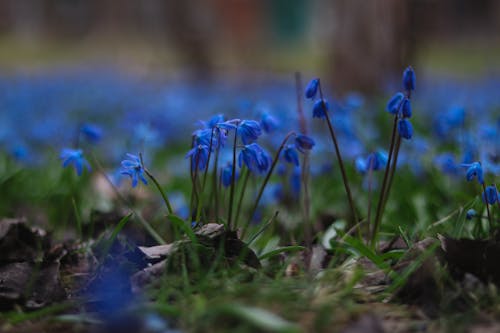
x=264, y=183
x=339, y=158
x=305, y=171
x=199, y=203
x=163, y=195
x=490, y=221
x=385, y=196
x=370, y=196
x=378, y=214
x=215, y=186
x=246, y=176
x=233, y=180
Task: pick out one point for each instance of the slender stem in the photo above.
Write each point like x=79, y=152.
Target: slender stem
x=199, y=203
x=305, y=163
x=370, y=196
x=307, y=199
x=300, y=110
x=393, y=171
x=378, y=214
x=339, y=158
x=490, y=221
x=215, y=185
x=163, y=195
x=233, y=180
x=385, y=196
x=264, y=183
x=194, y=192
x=258, y=233
x=246, y=176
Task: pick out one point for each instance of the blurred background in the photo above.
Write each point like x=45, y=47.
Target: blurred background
x=354, y=44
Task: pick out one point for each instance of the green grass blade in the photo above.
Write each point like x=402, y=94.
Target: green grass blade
x=261, y=318
x=273, y=253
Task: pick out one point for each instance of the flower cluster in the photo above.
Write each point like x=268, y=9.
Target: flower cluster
x=321, y=104
x=400, y=105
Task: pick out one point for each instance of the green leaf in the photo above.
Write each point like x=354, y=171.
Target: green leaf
x=261, y=318
x=181, y=225
x=277, y=251
x=114, y=234
x=357, y=247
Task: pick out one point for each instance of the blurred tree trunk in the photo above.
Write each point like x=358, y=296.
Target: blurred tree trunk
x=190, y=34
x=372, y=41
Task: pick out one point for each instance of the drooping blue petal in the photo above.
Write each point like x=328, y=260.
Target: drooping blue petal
x=394, y=103
x=319, y=108
x=490, y=195
x=304, y=143
x=474, y=170
x=409, y=79
x=312, y=88
x=290, y=155
x=405, y=128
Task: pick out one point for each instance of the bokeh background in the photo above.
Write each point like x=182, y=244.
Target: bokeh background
x=353, y=44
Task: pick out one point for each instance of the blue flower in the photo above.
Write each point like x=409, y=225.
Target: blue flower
x=199, y=156
x=405, y=129
x=304, y=142
x=76, y=158
x=290, y=155
x=474, y=170
x=446, y=162
x=92, y=133
x=312, y=88
x=219, y=118
x=249, y=131
x=203, y=137
x=406, y=108
x=268, y=122
x=374, y=161
x=409, y=79
x=133, y=168
x=226, y=175
x=394, y=103
x=295, y=181
x=255, y=158
x=470, y=214
x=490, y=195
x=319, y=109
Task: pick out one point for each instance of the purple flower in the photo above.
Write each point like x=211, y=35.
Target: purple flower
x=133, y=168
x=312, y=88
x=74, y=157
